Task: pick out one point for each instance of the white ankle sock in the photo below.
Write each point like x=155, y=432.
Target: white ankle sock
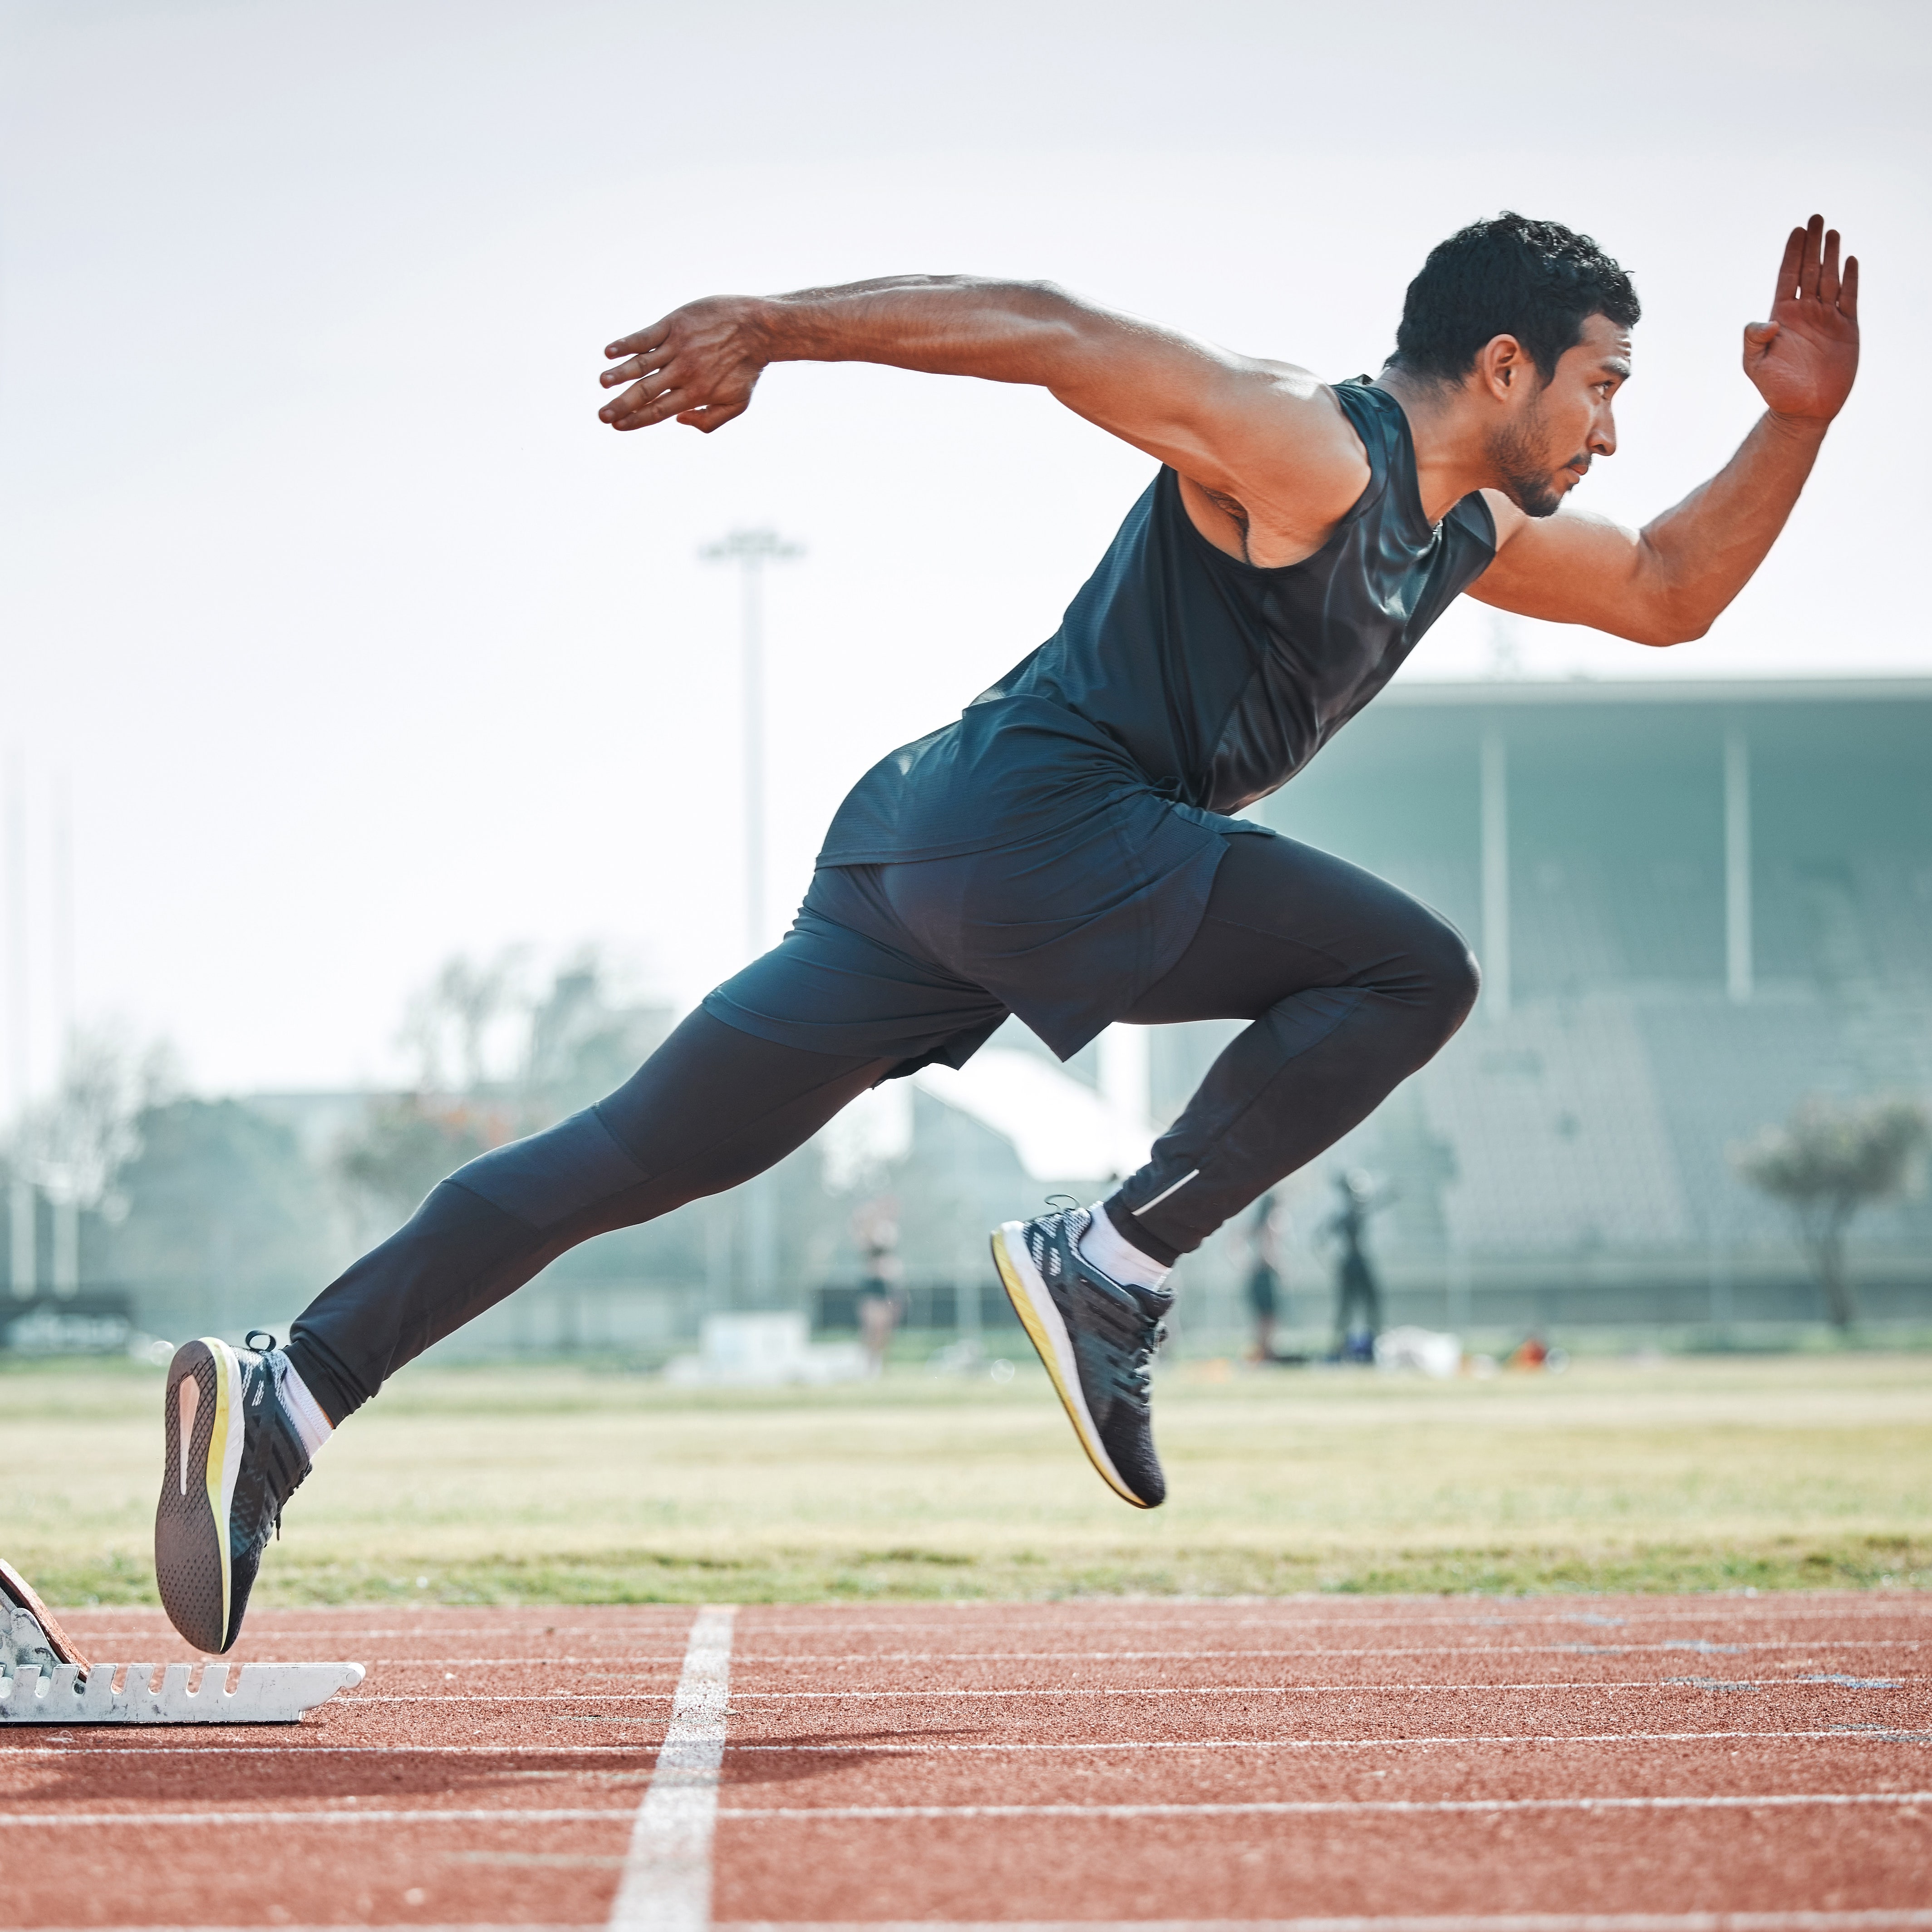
x=303, y=1410
x=1115, y=1255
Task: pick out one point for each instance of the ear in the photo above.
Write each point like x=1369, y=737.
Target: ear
x=1504, y=371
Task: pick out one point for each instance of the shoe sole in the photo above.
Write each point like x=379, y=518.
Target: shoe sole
x=1046, y=1330
x=204, y=1437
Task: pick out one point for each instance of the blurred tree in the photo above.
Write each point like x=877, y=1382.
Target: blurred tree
x=75, y=1143
x=1828, y=1160
x=582, y=1043
x=449, y=1024
x=217, y=1196
x=407, y=1142
x=494, y=1062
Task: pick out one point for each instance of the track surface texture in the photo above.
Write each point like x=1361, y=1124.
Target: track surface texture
x=1533, y=1765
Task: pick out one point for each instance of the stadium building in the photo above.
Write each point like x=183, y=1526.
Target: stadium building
x=1695, y=903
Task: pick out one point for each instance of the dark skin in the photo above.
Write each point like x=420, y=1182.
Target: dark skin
x=1269, y=463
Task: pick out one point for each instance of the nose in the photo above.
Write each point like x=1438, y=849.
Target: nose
x=1604, y=433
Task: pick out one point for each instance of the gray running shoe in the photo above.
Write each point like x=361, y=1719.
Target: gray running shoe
x=233, y=1459
x=1097, y=1337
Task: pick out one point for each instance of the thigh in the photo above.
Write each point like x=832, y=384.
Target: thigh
x=710, y=1085
x=1284, y=917
x=711, y=1107
x=848, y=980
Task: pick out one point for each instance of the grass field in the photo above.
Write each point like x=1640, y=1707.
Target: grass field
x=564, y=1484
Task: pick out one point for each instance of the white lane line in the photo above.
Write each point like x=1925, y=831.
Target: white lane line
x=78, y=1744
x=1861, y=1736
x=1542, y=1684
x=667, y=1882
x=1518, y=1921
x=1872, y=1920
x=1327, y=1808
x=85, y=1747
x=349, y=1700
x=40, y=1821
x=744, y=1659
x=1495, y=1613
x=667, y=1889
x=343, y=1698
x=1907, y=1918
x=1608, y=1647
x=1401, y=1613
x=618, y=1659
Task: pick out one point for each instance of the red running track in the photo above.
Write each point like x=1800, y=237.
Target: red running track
x=1646, y=1765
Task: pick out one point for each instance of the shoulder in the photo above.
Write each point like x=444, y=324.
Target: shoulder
x=1294, y=464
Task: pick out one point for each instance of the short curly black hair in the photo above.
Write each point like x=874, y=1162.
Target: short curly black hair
x=1536, y=280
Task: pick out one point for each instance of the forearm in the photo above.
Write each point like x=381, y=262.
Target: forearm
x=1700, y=554
x=1002, y=331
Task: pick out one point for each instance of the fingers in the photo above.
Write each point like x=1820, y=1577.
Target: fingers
x=1808, y=269
x=643, y=342
x=644, y=404
x=629, y=372
x=1828, y=270
x=1790, y=267
x=712, y=415
x=1848, y=290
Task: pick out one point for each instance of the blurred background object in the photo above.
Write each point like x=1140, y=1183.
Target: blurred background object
x=381, y=750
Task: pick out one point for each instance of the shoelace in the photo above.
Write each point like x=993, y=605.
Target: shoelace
x=1131, y=1372
x=1137, y=1378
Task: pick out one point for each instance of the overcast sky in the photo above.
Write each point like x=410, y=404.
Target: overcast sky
x=363, y=642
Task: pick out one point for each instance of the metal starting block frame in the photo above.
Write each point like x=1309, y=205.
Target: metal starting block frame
x=45, y=1678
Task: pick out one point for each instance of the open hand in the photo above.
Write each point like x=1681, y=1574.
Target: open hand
x=1803, y=359
x=700, y=364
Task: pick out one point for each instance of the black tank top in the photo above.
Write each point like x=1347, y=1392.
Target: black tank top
x=1180, y=670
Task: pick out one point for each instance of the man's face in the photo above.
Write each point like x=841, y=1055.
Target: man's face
x=1543, y=449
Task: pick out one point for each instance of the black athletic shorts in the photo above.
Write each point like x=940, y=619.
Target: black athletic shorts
x=924, y=958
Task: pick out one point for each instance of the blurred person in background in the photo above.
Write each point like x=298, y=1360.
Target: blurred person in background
x=881, y=1296
x=1358, y=1295
x=1264, y=1282
x=1069, y=849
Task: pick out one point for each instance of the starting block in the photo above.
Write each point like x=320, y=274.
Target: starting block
x=46, y=1678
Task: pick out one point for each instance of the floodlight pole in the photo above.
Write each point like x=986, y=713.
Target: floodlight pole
x=22, y=1271
x=66, y=1258
x=751, y=551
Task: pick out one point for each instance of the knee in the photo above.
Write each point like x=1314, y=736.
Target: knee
x=1447, y=976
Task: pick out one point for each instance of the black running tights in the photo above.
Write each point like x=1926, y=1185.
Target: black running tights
x=1350, y=984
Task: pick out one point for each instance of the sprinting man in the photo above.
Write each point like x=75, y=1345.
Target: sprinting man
x=1062, y=851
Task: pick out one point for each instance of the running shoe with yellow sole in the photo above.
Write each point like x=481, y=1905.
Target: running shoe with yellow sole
x=1097, y=1337
x=233, y=1459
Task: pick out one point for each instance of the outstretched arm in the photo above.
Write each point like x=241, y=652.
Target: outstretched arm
x=1668, y=582
x=1265, y=436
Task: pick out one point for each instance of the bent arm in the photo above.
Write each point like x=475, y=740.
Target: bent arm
x=1265, y=433
x=1668, y=582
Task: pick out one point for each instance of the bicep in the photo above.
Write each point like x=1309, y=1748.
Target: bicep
x=1570, y=568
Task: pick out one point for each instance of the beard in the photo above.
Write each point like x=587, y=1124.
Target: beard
x=1525, y=472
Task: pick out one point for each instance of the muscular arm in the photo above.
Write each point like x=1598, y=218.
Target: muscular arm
x=1667, y=583
x=1264, y=442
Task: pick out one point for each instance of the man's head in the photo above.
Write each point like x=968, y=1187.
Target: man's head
x=1531, y=321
